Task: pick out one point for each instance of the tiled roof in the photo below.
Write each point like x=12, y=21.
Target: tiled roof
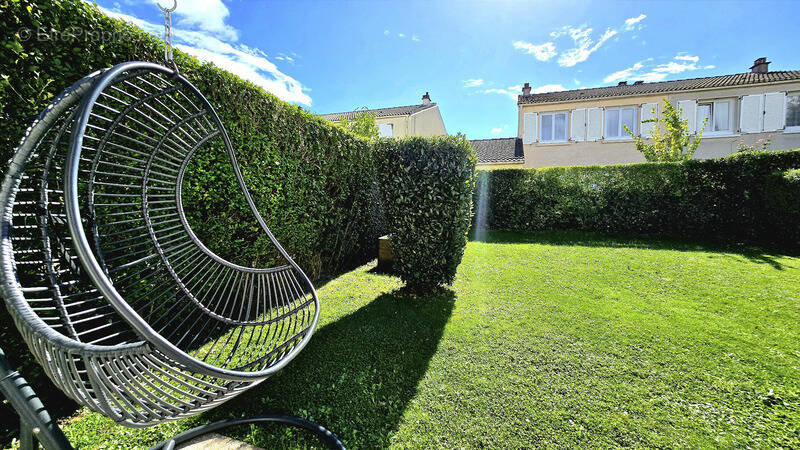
x=380, y=112
x=739, y=79
x=502, y=150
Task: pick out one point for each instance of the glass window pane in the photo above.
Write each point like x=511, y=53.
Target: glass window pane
x=628, y=120
x=547, y=127
x=722, y=116
x=561, y=128
x=793, y=111
x=703, y=113
x=385, y=130
x=612, y=123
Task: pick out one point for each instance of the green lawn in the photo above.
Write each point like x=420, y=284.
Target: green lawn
x=555, y=339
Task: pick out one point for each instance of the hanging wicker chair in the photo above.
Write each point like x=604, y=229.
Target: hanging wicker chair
x=129, y=313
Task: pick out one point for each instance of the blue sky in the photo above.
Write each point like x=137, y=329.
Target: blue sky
x=339, y=55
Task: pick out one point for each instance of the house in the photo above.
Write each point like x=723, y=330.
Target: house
x=499, y=153
x=586, y=126
x=423, y=119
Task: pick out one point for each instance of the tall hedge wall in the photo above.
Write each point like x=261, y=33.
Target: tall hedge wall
x=308, y=177
x=312, y=182
x=746, y=198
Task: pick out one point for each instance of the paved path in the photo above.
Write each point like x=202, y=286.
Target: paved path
x=216, y=442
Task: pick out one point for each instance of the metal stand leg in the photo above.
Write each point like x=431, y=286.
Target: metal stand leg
x=26, y=439
x=322, y=433
x=36, y=424
x=35, y=421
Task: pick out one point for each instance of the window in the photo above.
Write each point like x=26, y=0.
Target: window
x=619, y=118
x=385, y=130
x=554, y=127
x=793, y=112
x=717, y=116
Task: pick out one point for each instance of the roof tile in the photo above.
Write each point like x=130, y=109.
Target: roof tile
x=501, y=150
x=380, y=112
x=738, y=79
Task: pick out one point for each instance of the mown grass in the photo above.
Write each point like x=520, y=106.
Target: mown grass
x=545, y=339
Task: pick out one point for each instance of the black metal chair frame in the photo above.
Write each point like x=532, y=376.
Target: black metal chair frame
x=127, y=311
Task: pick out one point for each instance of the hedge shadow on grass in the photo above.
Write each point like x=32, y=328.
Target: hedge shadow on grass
x=763, y=255
x=356, y=377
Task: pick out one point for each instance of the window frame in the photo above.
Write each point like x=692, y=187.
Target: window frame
x=623, y=135
x=709, y=130
x=391, y=129
x=553, y=127
x=786, y=127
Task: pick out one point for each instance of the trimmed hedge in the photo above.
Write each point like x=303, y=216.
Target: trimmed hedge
x=427, y=186
x=312, y=181
x=309, y=179
x=744, y=198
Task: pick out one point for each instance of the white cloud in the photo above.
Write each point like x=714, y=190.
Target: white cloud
x=652, y=77
x=473, y=82
x=542, y=52
x=414, y=37
x=585, y=45
x=497, y=130
x=630, y=24
x=513, y=91
x=654, y=73
x=249, y=63
x=623, y=74
x=287, y=58
x=674, y=67
x=548, y=88
x=687, y=58
x=205, y=15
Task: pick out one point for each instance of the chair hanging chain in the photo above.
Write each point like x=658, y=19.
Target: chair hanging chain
x=168, y=33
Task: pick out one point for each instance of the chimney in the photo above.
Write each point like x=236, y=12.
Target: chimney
x=526, y=90
x=426, y=99
x=622, y=83
x=761, y=65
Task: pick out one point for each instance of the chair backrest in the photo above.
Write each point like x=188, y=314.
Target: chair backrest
x=139, y=128
x=126, y=309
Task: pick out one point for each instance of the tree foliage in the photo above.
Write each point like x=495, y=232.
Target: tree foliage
x=671, y=138
x=362, y=125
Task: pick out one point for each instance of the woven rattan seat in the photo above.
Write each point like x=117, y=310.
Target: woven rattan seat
x=126, y=309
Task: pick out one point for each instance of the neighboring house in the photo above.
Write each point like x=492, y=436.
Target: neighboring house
x=500, y=153
x=402, y=121
x=585, y=126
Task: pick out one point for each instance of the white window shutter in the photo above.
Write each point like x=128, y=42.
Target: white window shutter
x=774, y=115
x=529, y=124
x=647, y=114
x=750, y=117
x=578, y=125
x=594, y=129
x=688, y=110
